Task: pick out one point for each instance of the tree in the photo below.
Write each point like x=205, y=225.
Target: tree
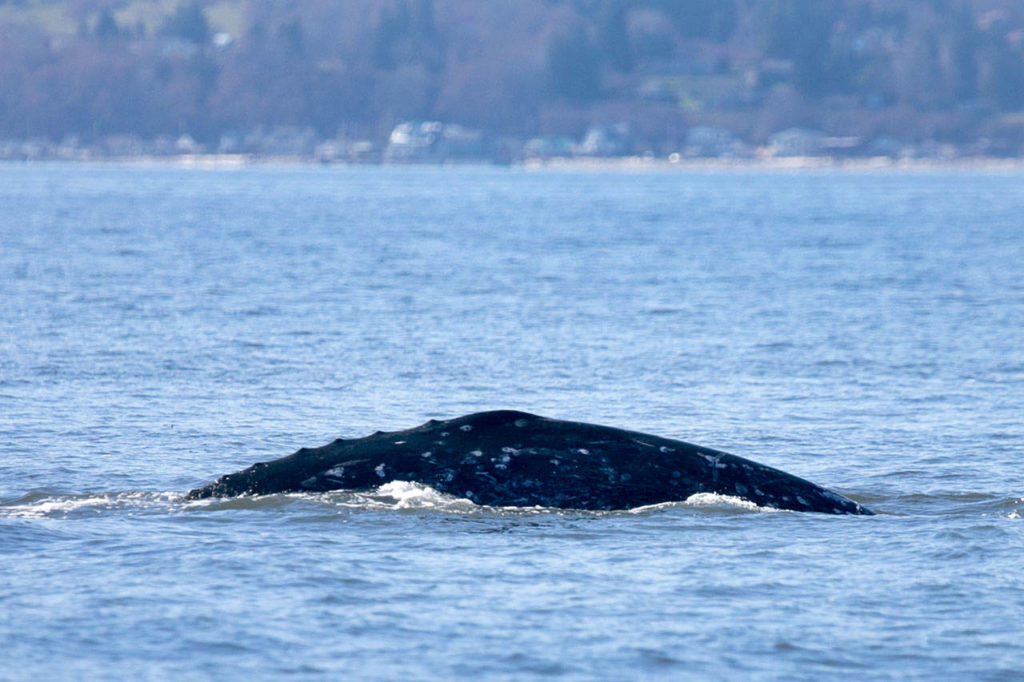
x=614, y=40
x=711, y=19
x=802, y=30
x=106, y=26
x=292, y=35
x=188, y=23
x=1008, y=78
x=408, y=36
x=574, y=67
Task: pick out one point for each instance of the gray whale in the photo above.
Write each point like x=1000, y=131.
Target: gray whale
x=508, y=458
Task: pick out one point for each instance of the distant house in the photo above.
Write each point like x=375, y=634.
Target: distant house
x=413, y=141
x=329, y=151
x=796, y=142
x=606, y=140
x=123, y=146
x=230, y=143
x=458, y=142
x=886, y=146
x=164, y=145
x=186, y=144
x=418, y=141
x=344, y=150
x=707, y=141
x=25, y=150
x=548, y=147
x=362, y=151
x=842, y=145
x=287, y=141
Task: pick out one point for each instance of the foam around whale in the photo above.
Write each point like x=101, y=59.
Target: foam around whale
x=509, y=458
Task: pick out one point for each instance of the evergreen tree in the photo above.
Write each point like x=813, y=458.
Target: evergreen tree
x=188, y=23
x=574, y=67
x=614, y=38
x=106, y=26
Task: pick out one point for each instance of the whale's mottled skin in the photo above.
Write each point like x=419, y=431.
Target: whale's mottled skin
x=508, y=458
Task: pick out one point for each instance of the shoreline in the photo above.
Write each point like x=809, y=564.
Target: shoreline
x=625, y=163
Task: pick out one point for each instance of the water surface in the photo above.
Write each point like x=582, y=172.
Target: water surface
x=161, y=326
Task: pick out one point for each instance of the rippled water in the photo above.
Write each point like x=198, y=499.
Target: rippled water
x=161, y=326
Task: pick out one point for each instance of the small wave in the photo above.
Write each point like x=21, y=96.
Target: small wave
x=403, y=495
x=1017, y=512
x=412, y=496
x=705, y=502
x=48, y=505
x=960, y=504
x=393, y=496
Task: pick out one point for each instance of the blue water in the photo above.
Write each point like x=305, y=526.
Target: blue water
x=161, y=326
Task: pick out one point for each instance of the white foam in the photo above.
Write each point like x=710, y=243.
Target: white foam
x=716, y=500
x=393, y=495
x=64, y=506
x=405, y=495
x=412, y=495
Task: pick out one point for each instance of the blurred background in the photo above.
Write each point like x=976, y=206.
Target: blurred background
x=512, y=80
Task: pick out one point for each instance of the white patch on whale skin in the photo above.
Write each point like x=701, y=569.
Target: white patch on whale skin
x=520, y=423
x=336, y=472
x=379, y=470
x=555, y=462
x=582, y=451
x=666, y=449
x=510, y=451
x=477, y=453
x=445, y=434
x=640, y=442
x=465, y=427
x=399, y=442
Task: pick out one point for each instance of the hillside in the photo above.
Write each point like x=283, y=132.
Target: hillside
x=711, y=77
